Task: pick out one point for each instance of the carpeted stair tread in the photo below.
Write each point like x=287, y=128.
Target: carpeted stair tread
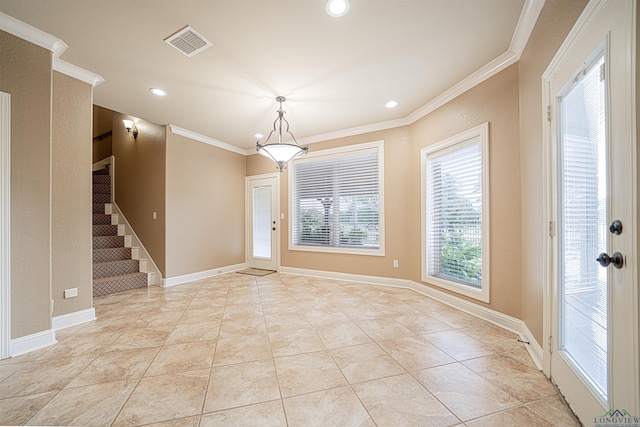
x=109, y=285
x=115, y=268
x=111, y=254
x=102, y=242
x=101, y=198
x=98, y=208
x=102, y=179
x=101, y=188
x=101, y=219
x=105, y=230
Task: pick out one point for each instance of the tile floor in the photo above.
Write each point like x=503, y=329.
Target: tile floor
x=279, y=350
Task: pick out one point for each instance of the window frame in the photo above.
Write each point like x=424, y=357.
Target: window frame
x=478, y=134
x=336, y=153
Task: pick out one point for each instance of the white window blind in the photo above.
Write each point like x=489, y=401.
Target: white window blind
x=583, y=224
x=336, y=200
x=454, y=214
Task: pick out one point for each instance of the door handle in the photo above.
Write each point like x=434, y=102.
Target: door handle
x=616, y=259
x=616, y=227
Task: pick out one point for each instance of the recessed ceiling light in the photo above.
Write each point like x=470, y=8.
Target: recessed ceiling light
x=337, y=8
x=157, y=91
x=391, y=104
x=258, y=135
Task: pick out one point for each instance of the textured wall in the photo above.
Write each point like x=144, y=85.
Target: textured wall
x=25, y=73
x=397, y=231
x=494, y=101
x=205, y=206
x=140, y=182
x=71, y=194
x=102, y=124
x=555, y=22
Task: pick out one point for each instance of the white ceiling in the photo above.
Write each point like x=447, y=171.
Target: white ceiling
x=337, y=73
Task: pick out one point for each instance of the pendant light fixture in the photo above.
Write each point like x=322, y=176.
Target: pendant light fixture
x=281, y=152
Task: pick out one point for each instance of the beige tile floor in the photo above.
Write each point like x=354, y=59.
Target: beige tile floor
x=279, y=350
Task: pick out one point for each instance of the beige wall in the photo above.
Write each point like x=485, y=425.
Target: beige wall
x=555, y=22
x=396, y=156
x=494, y=101
x=205, y=207
x=102, y=124
x=71, y=194
x=140, y=182
x=25, y=73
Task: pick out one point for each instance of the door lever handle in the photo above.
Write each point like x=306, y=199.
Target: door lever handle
x=616, y=259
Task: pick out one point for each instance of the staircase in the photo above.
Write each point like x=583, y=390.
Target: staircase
x=114, y=269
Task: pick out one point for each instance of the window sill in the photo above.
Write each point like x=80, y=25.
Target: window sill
x=480, y=294
x=333, y=250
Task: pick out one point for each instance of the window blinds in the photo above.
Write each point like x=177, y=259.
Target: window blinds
x=454, y=214
x=583, y=223
x=336, y=200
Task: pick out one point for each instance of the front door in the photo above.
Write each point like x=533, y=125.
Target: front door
x=262, y=222
x=593, y=342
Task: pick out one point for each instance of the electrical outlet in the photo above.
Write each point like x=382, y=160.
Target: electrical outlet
x=395, y=263
x=155, y=215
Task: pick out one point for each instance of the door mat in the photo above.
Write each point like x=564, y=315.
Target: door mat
x=255, y=272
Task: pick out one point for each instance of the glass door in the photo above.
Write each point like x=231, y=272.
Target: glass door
x=583, y=202
x=262, y=223
x=593, y=333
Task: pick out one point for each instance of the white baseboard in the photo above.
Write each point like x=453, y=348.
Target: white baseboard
x=132, y=241
x=72, y=319
x=502, y=320
x=347, y=277
x=534, y=349
x=32, y=342
x=185, y=278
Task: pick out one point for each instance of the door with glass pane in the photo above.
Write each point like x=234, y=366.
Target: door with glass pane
x=262, y=222
x=593, y=341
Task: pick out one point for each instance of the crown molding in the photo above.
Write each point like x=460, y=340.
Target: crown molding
x=479, y=76
x=31, y=34
x=45, y=40
x=527, y=21
x=207, y=140
x=76, y=72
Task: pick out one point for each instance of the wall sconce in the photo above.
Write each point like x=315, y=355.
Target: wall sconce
x=131, y=128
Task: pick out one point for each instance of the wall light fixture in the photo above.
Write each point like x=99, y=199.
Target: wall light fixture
x=131, y=128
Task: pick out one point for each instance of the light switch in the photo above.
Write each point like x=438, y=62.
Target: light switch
x=155, y=216
x=71, y=293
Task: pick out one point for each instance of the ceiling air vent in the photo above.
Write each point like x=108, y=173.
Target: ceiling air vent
x=188, y=41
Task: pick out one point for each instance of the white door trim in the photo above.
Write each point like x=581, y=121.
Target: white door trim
x=589, y=15
x=247, y=215
x=5, y=225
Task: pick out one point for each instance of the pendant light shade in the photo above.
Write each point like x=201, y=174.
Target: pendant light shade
x=281, y=152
